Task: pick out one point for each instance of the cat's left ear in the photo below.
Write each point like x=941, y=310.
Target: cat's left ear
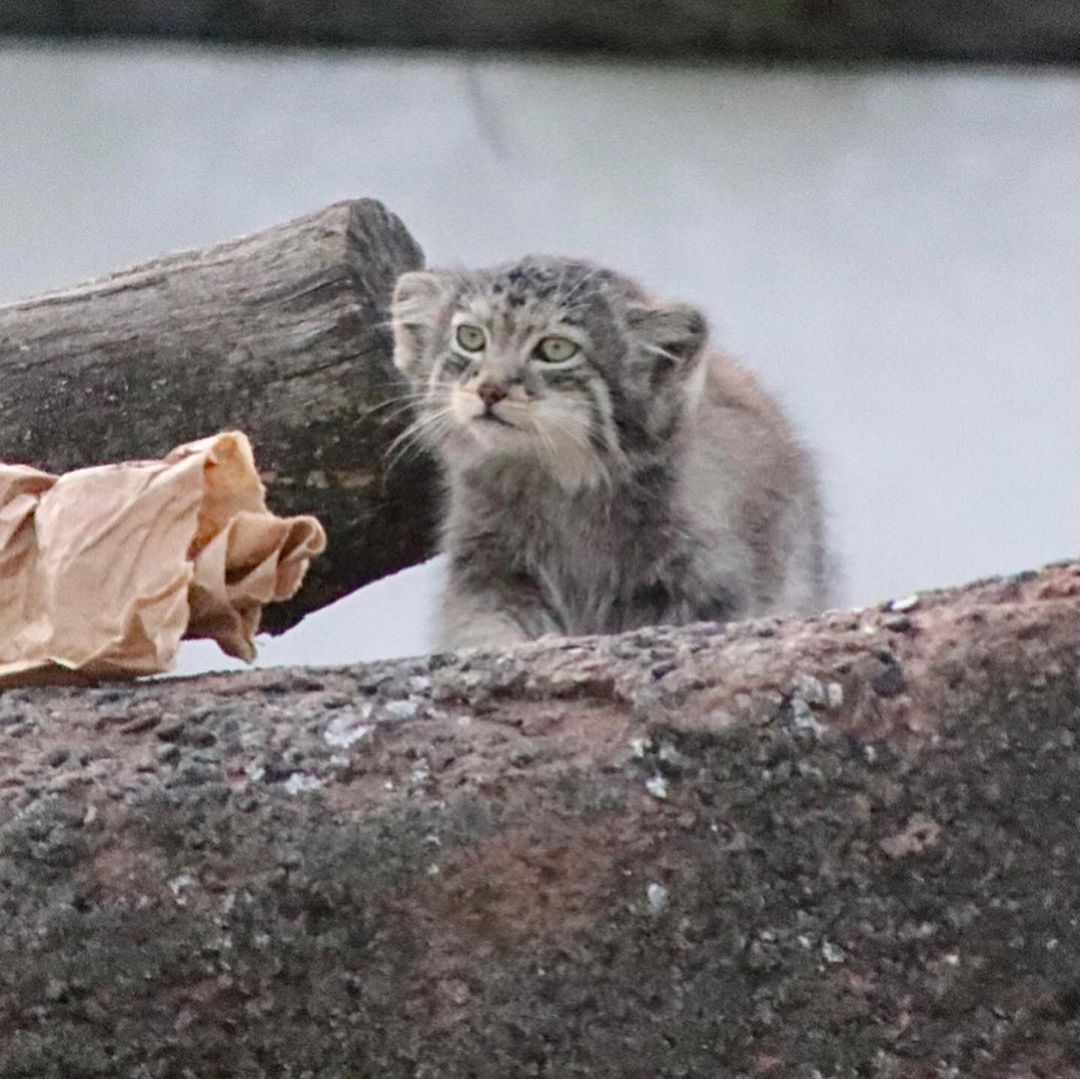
x=671, y=335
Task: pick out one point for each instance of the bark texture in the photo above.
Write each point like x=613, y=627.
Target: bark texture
x=842, y=847
x=281, y=334
x=998, y=30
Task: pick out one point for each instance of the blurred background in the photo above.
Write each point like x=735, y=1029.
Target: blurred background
x=878, y=205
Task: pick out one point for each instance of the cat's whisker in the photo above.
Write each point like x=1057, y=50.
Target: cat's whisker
x=663, y=353
x=547, y=443
x=586, y=278
x=402, y=454
x=561, y=282
x=568, y=430
x=403, y=409
x=413, y=435
x=420, y=425
x=402, y=402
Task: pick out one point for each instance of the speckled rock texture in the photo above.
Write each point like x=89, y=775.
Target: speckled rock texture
x=842, y=847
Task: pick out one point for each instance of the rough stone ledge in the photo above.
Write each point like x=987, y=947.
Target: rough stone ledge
x=842, y=847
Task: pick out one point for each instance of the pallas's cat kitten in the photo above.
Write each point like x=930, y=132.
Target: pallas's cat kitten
x=605, y=470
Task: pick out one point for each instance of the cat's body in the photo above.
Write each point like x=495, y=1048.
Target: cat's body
x=636, y=481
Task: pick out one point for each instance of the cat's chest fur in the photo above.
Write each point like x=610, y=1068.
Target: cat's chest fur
x=601, y=561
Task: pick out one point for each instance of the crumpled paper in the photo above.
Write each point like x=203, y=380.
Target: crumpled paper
x=104, y=570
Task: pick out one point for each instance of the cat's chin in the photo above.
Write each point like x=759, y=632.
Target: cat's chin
x=489, y=419
x=490, y=436
x=486, y=438
x=484, y=444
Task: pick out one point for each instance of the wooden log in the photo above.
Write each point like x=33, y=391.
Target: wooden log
x=281, y=334
x=822, y=30
x=841, y=847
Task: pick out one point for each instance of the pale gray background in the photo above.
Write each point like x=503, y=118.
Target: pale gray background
x=896, y=252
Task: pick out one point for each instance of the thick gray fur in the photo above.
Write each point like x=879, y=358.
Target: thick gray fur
x=644, y=481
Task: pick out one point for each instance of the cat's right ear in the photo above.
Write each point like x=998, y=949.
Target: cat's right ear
x=673, y=334
x=414, y=311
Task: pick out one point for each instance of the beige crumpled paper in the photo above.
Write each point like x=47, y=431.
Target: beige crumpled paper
x=104, y=570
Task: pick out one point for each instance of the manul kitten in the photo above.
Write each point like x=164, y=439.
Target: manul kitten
x=605, y=470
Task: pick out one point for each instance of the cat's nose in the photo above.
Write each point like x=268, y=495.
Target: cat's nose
x=491, y=393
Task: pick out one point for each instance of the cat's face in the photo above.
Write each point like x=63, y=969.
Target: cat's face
x=551, y=360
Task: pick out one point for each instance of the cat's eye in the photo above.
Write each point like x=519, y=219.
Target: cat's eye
x=471, y=338
x=555, y=349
